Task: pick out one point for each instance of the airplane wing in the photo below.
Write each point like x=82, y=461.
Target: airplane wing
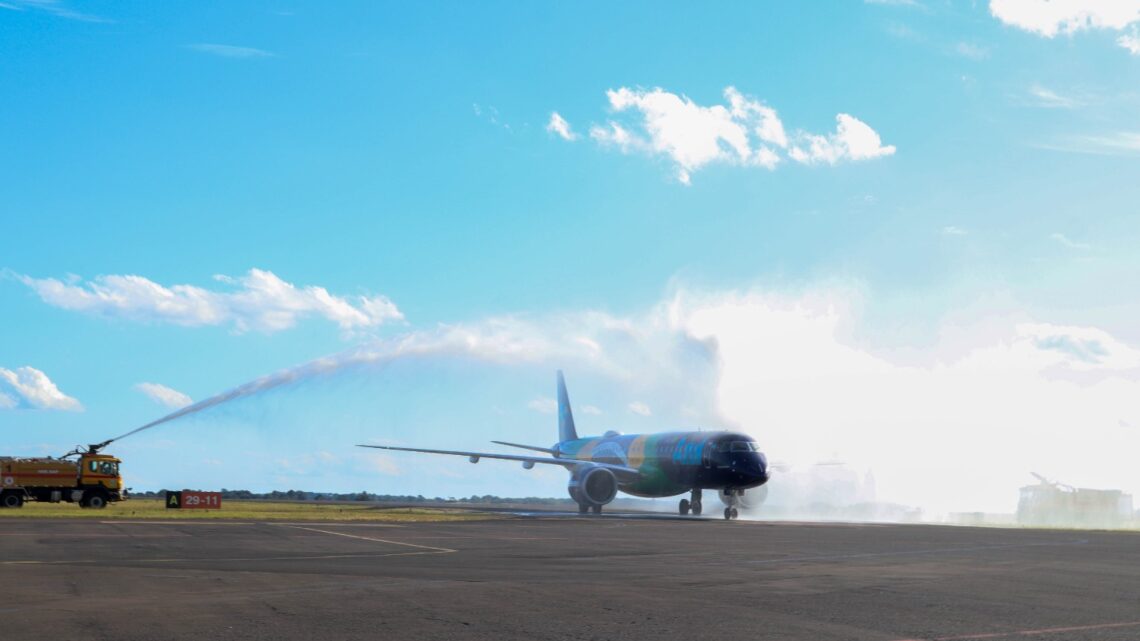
x=527, y=447
x=568, y=463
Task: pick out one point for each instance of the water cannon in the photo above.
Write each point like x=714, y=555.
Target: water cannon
x=94, y=448
x=91, y=449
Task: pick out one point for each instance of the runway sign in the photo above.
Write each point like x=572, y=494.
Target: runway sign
x=192, y=500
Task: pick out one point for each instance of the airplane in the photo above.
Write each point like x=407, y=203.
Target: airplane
x=644, y=465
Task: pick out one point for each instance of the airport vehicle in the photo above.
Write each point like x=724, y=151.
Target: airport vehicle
x=645, y=465
x=84, y=476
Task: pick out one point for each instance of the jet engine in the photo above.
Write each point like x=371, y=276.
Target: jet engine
x=593, y=486
x=744, y=499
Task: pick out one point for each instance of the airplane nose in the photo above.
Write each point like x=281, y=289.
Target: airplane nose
x=761, y=470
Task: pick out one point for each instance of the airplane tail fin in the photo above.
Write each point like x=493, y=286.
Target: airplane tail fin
x=566, y=431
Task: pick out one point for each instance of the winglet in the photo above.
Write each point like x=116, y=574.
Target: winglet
x=566, y=431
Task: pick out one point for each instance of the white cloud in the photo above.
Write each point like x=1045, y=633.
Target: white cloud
x=166, y=396
x=383, y=464
x=971, y=51
x=1120, y=143
x=53, y=7
x=1068, y=242
x=262, y=302
x=1048, y=98
x=853, y=140
x=951, y=230
x=560, y=127
x=230, y=51
x=1048, y=18
x=1131, y=42
x=543, y=405
x=745, y=132
x=591, y=410
x=637, y=407
x=28, y=387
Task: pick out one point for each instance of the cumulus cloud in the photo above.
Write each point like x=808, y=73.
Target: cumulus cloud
x=1049, y=18
x=230, y=51
x=29, y=388
x=558, y=126
x=853, y=140
x=261, y=301
x=164, y=395
x=744, y=132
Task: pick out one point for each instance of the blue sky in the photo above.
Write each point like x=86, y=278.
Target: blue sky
x=948, y=181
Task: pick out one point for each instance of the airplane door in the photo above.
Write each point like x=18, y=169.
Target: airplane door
x=706, y=456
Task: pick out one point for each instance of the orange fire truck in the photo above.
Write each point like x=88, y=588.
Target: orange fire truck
x=85, y=477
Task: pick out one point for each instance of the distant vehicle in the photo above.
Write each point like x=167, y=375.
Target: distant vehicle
x=85, y=477
x=645, y=465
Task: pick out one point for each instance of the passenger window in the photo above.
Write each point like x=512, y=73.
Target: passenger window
x=93, y=466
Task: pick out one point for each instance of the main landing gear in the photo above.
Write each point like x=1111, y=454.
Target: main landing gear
x=584, y=508
x=693, y=505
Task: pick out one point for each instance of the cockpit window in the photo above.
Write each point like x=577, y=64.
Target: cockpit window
x=738, y=446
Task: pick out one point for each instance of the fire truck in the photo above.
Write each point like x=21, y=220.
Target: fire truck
x=83, y=476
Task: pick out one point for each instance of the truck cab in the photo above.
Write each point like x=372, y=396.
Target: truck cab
x=100, y=471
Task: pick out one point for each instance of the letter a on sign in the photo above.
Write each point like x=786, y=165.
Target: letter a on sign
x=173, y=500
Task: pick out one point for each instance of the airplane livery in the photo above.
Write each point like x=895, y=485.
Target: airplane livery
x=645, y=465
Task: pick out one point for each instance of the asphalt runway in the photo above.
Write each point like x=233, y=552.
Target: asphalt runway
x=544, y=577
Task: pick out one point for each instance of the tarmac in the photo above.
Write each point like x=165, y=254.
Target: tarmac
x=546, y=576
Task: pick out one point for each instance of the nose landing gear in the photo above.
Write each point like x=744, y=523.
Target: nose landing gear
x=731, y=499
x=693, y=504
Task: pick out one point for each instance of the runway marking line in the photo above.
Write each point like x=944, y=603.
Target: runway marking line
x=89, y=535
x=315, y=557
x=421, y=550
x=435, y=550
x=1029, y=633
x=177, y=522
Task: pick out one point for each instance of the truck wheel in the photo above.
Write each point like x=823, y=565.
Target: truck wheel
x=11, y=499
x=97, y=501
